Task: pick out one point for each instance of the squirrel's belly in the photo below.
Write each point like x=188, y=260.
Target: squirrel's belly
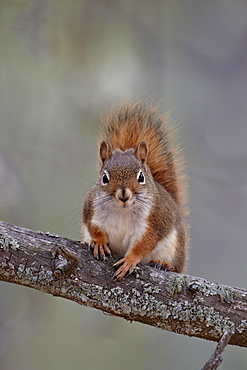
x=123, y=233
x=115, y=235
x=124, y=228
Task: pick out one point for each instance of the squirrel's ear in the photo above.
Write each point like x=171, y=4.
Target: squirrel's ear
x=105, y=151
x=141, y=151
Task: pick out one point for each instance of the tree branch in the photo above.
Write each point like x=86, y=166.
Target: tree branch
x=216, y=358
x=175, y=302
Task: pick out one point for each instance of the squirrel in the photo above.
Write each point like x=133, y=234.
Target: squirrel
x=136, y=208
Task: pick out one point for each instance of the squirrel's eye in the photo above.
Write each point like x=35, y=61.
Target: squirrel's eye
x=105, y=178
x=141, y=178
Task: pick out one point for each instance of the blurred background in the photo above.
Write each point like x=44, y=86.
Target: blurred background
x=63, y=65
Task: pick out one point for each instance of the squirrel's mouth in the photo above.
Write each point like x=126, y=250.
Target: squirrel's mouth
x=124, y=197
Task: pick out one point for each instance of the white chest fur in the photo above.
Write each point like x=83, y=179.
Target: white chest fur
x=123, y=225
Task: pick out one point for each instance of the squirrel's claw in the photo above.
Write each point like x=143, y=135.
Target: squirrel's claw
x=100, y=251
x=125, y=268
x=161, y=265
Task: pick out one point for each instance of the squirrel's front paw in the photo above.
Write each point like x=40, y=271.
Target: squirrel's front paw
x=126, y=267
x=100, y=251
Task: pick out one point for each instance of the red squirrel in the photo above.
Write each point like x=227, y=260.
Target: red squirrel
x=136, y=208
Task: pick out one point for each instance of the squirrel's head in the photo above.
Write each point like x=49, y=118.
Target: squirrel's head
x=124, y=174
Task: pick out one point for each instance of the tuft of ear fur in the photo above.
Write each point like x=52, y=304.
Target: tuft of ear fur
x=141, y=151
x=105, y=151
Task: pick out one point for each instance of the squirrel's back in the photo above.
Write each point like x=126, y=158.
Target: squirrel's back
x=137, y=122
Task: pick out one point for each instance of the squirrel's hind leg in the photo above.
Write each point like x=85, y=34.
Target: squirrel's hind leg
x=162, y=265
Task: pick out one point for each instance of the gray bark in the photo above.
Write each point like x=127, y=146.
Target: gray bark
x=175, y=302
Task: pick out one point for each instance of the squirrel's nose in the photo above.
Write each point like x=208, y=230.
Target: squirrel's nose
x=123, y=194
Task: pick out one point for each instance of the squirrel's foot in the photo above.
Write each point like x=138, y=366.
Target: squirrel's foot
x=126, y=267
x=161, y=265
x=100, y=250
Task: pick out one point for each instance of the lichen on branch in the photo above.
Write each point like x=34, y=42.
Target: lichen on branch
x=180, y=303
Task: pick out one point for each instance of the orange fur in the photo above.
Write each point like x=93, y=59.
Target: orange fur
x=138, y=122
x=142, y=248
x=128, y=213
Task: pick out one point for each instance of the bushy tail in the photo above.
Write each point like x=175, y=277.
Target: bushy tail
x=136, y=122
